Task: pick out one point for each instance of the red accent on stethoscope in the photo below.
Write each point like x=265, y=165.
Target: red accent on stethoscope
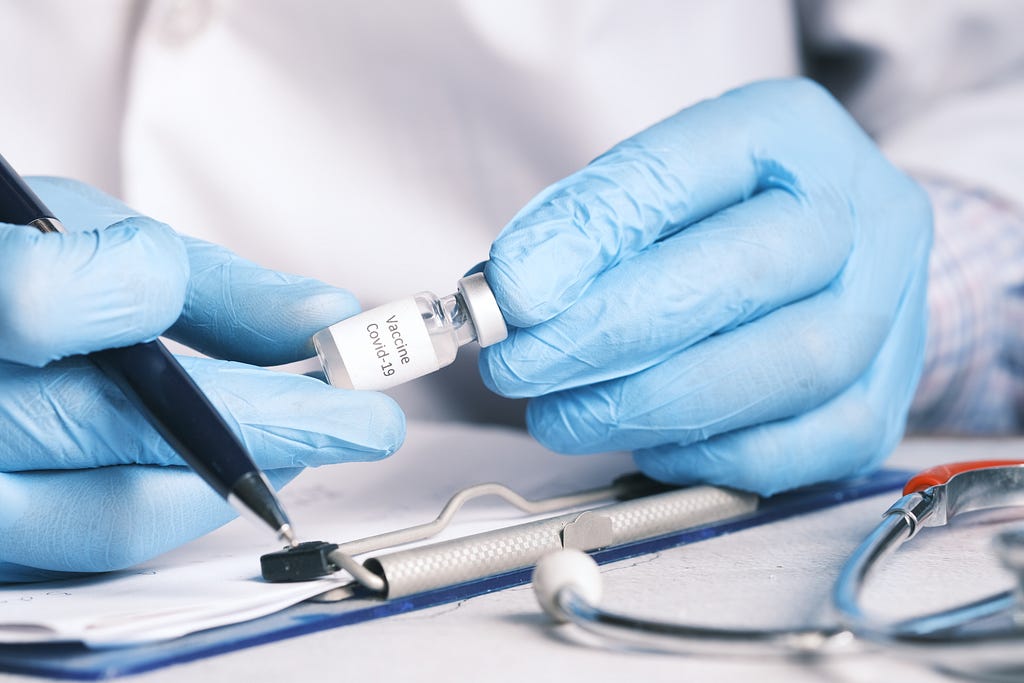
x=940, y=474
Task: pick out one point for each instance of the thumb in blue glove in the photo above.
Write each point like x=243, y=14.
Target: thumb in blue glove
x=86, y=484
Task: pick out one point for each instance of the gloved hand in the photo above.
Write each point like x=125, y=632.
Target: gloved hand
x=86, y=484
x=736, y=294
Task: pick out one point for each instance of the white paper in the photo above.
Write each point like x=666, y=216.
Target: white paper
x=215, y=580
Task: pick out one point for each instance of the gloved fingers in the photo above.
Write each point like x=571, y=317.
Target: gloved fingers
x=780, y=365
x=727, y=270
x=104, y=519
x=114, y=279
x=696, y=163
x=846, y=436
x=68, y=416
x=238, y=310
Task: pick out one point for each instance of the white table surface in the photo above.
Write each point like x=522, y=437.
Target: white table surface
x=773, y=575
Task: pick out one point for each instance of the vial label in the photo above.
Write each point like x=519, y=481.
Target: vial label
x=385, y=346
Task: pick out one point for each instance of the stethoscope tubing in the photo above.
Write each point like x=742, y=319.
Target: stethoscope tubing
x=636, y=633
x=900, y=523
x=982, y=636
x=985, y=652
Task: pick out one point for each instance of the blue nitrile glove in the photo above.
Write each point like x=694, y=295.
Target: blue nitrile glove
x=736, y=294
x=83, y=486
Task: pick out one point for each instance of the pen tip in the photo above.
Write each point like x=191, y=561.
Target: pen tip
x=287, y=534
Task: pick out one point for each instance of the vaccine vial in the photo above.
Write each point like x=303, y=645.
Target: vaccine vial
x=409, y=338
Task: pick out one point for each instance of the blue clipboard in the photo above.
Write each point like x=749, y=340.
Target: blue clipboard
x=76, y=662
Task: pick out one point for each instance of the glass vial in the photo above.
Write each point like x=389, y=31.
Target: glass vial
x=409, y=338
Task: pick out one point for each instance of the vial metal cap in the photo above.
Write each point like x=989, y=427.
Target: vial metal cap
x=483, y=309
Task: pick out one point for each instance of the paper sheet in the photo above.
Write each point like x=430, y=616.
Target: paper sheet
x=215, y=580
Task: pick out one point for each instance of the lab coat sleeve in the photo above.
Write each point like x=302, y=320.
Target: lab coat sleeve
x=940, y=85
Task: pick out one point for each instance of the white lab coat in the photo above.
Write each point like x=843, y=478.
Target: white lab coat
x=380, y=146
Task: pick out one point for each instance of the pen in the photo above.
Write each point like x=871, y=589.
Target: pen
x=166, y=395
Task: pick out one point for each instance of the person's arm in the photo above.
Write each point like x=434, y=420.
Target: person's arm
x=945, y=100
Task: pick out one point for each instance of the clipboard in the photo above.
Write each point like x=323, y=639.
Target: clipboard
x=76, y=662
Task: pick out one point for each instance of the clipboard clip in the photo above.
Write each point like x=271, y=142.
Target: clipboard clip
x=636, y=508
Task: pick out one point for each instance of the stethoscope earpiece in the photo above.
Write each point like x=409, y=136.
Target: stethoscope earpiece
x=561, y=570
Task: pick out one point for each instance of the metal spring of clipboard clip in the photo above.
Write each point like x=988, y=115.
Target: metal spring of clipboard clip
x=644, y=509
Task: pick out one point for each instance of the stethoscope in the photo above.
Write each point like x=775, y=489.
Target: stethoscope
x=985, y=637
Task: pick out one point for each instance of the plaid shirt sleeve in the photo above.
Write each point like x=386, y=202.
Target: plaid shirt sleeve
x=973, y=379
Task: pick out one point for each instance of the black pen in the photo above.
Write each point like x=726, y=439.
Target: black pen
x=166, y=395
